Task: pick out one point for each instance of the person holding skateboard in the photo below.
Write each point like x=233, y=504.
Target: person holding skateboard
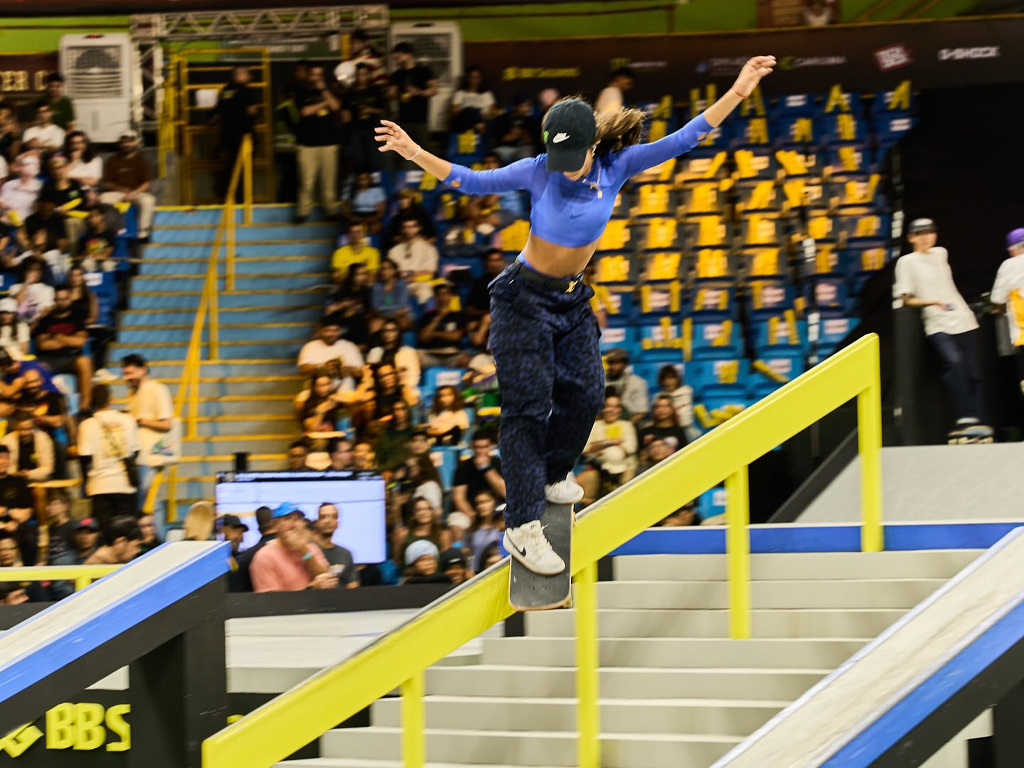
x=544, y=336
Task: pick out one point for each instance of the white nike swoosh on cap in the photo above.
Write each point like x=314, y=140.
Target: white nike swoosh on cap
x=559, y=138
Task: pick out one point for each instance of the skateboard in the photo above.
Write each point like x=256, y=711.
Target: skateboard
x=973, y=435
x=529, y=591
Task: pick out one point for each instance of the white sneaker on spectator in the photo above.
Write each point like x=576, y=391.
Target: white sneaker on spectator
x=531, y=547
x=104, y=376
x=566, y=491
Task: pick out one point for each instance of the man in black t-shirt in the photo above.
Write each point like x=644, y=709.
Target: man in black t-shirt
x=413, y=84
x=60, y=337
x=479, y=302
x=340, y=559
x=46, y=218
x=237, y=107
x=480, y=472
x=97, y=244
x=317, y=134
x=16, y=506
x=442, y=331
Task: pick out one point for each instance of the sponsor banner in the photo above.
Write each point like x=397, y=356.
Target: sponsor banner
x=861, y=58
x=24, y=75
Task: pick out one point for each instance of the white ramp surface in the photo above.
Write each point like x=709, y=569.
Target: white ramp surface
x=830, y=714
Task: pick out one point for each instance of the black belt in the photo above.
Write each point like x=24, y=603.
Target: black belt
x=559, y=284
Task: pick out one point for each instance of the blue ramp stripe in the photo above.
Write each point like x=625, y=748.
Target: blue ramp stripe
x=121, y=603
x=795, y=538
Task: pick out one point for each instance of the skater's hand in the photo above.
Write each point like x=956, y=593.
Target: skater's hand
x=393, y=139
x=753, y=71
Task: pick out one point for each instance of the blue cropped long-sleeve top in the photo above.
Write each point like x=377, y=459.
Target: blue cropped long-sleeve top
x=575, y=213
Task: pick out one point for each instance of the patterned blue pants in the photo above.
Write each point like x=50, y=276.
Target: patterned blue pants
x=545, y=345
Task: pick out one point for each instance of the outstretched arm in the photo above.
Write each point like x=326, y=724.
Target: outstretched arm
x=643, y=156
x=518, y=175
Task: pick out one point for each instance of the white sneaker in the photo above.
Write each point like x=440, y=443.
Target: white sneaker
x=566, y=491
x=530, y=546
x=104, y=376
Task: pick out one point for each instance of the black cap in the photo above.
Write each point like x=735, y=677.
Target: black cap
x=569, y=129
x=917, y=226
x=87, y=523
x=232, y=521
x=451, y=557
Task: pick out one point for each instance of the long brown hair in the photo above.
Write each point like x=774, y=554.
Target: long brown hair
x=615, y=130
x=618, y=129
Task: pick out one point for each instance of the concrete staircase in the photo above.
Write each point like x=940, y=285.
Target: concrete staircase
x=674, y=690
x=281, y=274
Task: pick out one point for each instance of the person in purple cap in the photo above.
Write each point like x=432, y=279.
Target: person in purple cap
x=924, y=280
x=544, y=336
x=1008, y=295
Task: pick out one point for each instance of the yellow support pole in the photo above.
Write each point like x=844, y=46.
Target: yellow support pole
x=737, y=543
x=82, y=582
x=247, y=149
x=414, y=742
x=869, y=444
x=172, y=493
x=154, y=489
x=588, y=715
x=212, y=280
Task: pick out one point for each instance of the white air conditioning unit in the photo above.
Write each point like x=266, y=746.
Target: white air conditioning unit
x=98, y=70
x=438, y=46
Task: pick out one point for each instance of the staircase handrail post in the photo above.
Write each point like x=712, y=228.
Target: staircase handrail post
x=737, y=547
x=588, y=715
x=869, y=445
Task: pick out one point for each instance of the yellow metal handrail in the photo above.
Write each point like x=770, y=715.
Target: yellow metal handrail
x=189, y=386
x=399, y=658
x=82, y=575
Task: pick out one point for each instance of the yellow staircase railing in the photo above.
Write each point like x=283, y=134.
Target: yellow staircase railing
x=189, y=386
x=399, y=659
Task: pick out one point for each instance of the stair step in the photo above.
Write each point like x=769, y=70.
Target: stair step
x=216, y=388
x=220, y=445
x=536, y=748
x=158, y=317
x=624, y=682
x=271, y=298
x=674, y=595
x=938, y=564
x=251, y=332
x=211, y=214
x=693, y=716
x=765, y=623
x=284, y=280
x=254, y=367
x=245, y=233
x=229, y=350
x=240, y=406
x=244, y=265
x=202, y=250
x=675, y=652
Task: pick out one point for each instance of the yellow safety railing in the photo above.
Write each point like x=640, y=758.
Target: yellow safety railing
x=82, y=575
x=399, y=658
x=191, y=375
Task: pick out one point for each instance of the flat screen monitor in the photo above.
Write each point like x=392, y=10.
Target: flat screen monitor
x=359, y=497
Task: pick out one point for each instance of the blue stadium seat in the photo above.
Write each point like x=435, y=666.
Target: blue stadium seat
x=831, y=331
x=661, y=342
x=434, y=378
x=716, y=341
x=626, y=338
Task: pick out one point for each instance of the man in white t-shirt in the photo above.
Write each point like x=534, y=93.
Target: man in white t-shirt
x=417, y=260
x=45, y=135
x=151, y=406
x=340, y=358
x=924, y=280
x=1008, y=295
x=104, y=442
x=611, y=99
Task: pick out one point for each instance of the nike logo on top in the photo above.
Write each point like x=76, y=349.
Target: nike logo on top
x=559, y=138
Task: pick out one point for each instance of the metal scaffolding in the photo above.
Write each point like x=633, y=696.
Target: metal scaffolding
x=150, y=32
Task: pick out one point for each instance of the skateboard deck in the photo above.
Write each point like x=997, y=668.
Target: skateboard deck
x=529, y=591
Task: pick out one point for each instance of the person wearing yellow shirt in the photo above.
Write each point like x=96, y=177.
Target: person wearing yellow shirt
x=358, y=251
